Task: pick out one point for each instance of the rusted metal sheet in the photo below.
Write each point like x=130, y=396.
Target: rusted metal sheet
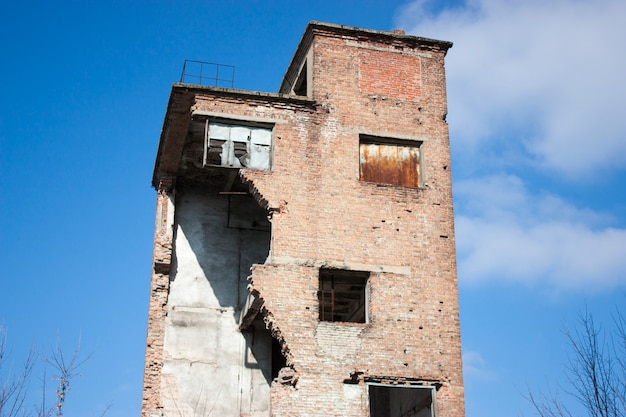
x=390, y=164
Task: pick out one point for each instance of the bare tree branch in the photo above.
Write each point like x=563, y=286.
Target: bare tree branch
x=67, y=370
x=13, y=387
x=596, y=371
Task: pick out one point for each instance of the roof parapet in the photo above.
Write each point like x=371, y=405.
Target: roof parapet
x=313, y=26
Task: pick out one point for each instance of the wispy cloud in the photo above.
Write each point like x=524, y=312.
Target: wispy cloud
x=505, y=233
x=536, y=92
x=551, y=71
x=475, y=367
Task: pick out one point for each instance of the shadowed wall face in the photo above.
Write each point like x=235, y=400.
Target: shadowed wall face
x=210, y=366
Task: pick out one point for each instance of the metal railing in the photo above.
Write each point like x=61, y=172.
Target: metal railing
x=208, y=73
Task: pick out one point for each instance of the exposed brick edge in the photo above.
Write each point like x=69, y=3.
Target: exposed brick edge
x=268, y=316
x=159, y=290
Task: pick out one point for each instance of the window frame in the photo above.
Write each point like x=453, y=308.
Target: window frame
x=432, y=388
x=378, y=170
x=259, y=142
x=343, y=277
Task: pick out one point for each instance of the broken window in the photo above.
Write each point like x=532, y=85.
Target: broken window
x=236, y=146
x=401, y=401
x=390, y=161
x=343, y=295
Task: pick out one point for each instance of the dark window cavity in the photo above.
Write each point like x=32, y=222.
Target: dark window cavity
x=343, y=295
x=401, y=401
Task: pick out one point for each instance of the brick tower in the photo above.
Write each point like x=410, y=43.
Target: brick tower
x=304, y=257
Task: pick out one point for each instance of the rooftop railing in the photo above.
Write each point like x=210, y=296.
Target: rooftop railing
x=208, y=73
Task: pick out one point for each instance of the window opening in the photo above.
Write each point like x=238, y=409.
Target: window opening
x=343, y=295
x=401, y=401
x=390, y=161
x=300, y=87
x=237, y=146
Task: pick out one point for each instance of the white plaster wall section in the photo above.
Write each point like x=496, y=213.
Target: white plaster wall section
x=216, y=364
x=216, y=367
x=204, y=352
x=170, y=215
x=217, y=242
x=258, y=356
x=254, y=238
x=207, y=267
x=202, y=336
x=188, y=387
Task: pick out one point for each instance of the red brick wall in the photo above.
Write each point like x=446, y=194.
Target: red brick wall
x=333, y=218
x=159, y=288
x=391, y=75
x=323, y=216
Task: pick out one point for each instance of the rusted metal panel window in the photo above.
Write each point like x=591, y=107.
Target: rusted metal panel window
x=387, y=161
x=343, y=295
x=237, y=146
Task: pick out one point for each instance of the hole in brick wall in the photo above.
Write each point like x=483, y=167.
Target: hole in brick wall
x=401, y=401
x=266, y=352
x=343, y=295
x=278, y=359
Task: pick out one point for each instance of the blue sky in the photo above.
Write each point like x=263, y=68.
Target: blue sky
x=539, y=155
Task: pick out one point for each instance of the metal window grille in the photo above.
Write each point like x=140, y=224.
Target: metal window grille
x=343, y=295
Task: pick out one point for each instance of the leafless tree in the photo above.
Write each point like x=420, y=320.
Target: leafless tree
x=66, y=370
x=15, y=383
x=596, y=372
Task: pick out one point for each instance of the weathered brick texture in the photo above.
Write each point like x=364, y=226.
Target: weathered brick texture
x=360, y=82
x=162, y=257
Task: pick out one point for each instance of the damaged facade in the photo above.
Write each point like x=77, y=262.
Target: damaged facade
x=304, y=258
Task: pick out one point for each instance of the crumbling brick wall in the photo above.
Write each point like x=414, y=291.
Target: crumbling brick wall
x=381, y=85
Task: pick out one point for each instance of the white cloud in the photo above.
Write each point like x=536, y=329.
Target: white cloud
x=475, y=367
x=507, y=234
x=544, y=73
x=534, y=82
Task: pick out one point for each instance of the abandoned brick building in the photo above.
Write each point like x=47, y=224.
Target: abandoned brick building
x=304, y=257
